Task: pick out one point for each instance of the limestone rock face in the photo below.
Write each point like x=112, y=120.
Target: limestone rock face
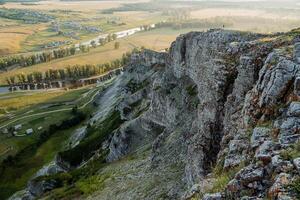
x=219, y=107
x=218, y=99
x=214, y=89
x=297, y=52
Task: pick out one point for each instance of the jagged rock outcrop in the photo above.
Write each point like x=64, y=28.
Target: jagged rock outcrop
x=218, y=117
x=233, y=98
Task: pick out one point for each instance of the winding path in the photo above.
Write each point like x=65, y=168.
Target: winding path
x=9, y=148
x=52, y=111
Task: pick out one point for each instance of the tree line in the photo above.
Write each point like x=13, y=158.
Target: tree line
x=28, y=60
x=47, y=56
x=69, y=73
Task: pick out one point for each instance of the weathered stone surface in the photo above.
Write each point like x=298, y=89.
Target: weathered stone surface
x=234, y=186
x=297, y=86
x=250, y=174
x=39, y=187
x=294, y=109
x=51, y=168
x=216, y=196
x=22, y=195
x=259, y=135
x=278, y=187
x=274, y=80
x=235, y=154
x=289, y=133
x=195, y=106
x=280, y=165
x=264, y=152
x=297, y=52
x=296, y=162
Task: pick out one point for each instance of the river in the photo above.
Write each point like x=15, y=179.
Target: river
x=119, y=34
x=4, y=89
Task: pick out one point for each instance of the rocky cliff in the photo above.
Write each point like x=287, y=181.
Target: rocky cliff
x=216, y=117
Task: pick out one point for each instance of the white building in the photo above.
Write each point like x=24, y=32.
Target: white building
x=18, y=127
x=29, y=131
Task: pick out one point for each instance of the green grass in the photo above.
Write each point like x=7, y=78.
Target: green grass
x=292, y=152
x=19, y=143
x=15, y=177
x=19, y=100
x=222, y=177
x=34, y=122
x=92, y=184
x=22, y=103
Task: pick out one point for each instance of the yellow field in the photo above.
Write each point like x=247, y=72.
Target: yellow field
x=29, y=38
x=21, y=100
x=12, y=36
x=63, y=5
x=156, y=40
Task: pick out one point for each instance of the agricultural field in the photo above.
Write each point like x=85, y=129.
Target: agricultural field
x=71, y=23
x=74, y=25
x=12, y=37
x=155, y=39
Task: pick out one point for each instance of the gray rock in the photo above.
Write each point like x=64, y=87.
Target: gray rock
x=259, y=135
x=51, y=168
x=251, y=198
x=296, y=162
x=288, y=131
x=285, y=196
x=297, y=52
x=274, y=78
x=215, y=196
x=195, y=189
x=289, y=139
x=22, y=195
x=264, y=152
x=38, y=187
x=235, y=153
x=232, y=160
x=276, y=160
x=250, y=174
x=237, y=146
x=294, y=109
x=278, y=187
x=202, y=98
x=234, y=186
x=297, y=86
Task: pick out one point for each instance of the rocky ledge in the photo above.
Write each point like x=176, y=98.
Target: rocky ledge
x=227, y=104
x=220, y=112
